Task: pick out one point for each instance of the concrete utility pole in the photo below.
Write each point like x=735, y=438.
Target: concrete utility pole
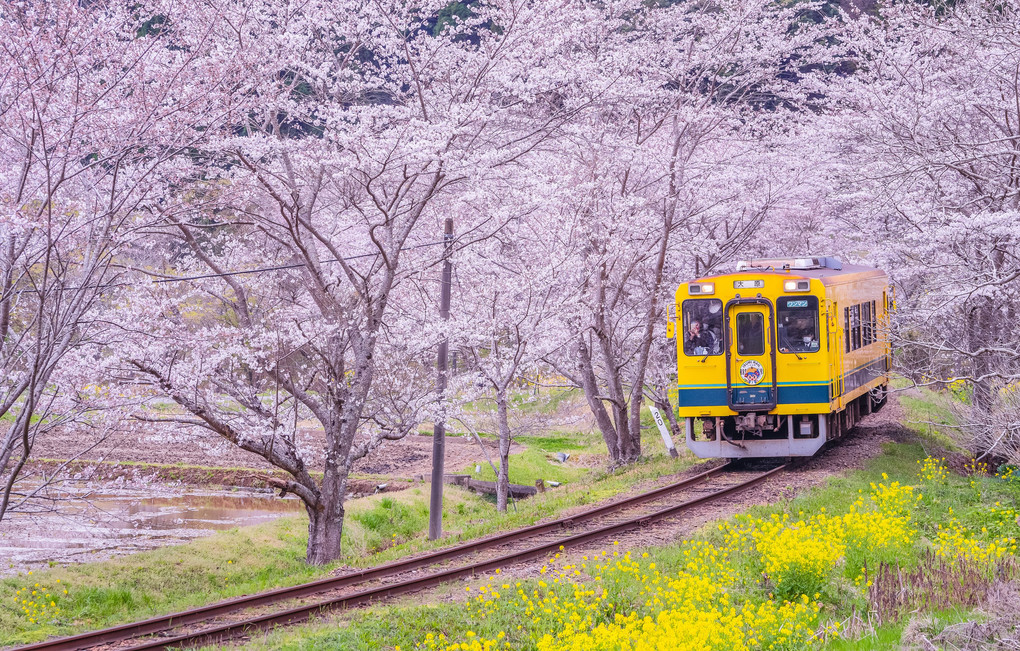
x=439, y=429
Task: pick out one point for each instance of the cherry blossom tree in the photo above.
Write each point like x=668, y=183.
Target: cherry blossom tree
x=505, y=324
x=341, y=142
x=668, y=176
x=928, y=128
x=93, y=119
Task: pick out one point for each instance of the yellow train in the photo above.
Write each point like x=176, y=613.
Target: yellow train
x=780, y=356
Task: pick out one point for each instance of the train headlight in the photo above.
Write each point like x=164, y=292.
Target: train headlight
x=701, y=288
x=797, y=286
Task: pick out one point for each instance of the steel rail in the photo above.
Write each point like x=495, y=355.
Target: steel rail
x=183, y=618
x=303, y=613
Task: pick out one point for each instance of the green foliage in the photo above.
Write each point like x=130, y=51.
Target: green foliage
x=900, y=485
x=550, y=443
x=152, y=27
x=450, y=14
x=530, y=465
x=378, y=529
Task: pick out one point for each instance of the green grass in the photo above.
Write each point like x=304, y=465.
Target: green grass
x=889, y=637
x=526, y=401
x=403, y=624
x=406, y=623
x=929, y=413
x=551, y=444
x=547, y=401
x=230, y=563
x=529, y=466
x=882, y=637
x=378, y=529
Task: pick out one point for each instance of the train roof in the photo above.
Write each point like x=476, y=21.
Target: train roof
x=808, y=267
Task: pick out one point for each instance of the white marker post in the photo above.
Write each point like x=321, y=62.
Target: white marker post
x=666, y=438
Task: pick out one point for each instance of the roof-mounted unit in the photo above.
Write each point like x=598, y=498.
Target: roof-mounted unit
x=798, y=264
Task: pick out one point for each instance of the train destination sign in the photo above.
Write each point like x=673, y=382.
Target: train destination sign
x=748, y=284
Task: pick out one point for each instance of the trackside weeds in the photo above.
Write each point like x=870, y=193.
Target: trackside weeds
x=39, y=603
x=766, y=583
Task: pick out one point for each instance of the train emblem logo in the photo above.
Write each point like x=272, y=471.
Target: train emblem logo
x=751, y=372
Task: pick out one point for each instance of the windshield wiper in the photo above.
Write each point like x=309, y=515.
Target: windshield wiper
x=787, y=349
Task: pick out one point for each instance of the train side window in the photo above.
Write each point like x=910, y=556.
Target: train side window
x=855, y=325
x=874, y=322
x=750, y=333
x=847, y=333
x=703, y=326
x=797, y=324
x=867, y=338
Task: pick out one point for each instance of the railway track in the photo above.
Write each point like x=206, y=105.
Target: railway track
x=367, y=586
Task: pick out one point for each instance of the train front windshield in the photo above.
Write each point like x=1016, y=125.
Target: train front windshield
x=703, y=326
x=797, y=324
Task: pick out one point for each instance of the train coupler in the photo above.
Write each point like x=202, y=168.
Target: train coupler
x=755, y=423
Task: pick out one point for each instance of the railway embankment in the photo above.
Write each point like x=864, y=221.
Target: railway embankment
x=898, y=551
x=379, y=528
x=841, y=551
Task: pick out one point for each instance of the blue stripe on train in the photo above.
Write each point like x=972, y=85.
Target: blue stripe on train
x=803, y=393
x=701, y=397
x=788, y=394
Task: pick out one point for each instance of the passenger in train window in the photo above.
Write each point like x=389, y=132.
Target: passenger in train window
x=715, y=337
x=797, y=325
x=802, y=333
x=702, y=318
x=699, y=341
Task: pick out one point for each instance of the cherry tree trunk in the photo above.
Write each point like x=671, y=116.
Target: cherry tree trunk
x=325, y=525
x=627, y=441
x=503, y=478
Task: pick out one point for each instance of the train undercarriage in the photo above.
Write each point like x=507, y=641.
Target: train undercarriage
x=759, y=434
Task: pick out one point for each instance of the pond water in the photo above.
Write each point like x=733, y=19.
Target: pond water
x=86, y=524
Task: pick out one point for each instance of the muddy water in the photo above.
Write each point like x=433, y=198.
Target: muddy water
x=83, y=525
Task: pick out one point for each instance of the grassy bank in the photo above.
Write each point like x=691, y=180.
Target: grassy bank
x=930, y=414
x=788, y=576
x=538, y=460
x=81, y=597
x=378, y=529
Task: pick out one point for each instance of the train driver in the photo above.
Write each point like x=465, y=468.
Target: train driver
x=699, y=341
x=802, y=334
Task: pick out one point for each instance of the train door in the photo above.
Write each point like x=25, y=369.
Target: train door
x=835, y=352
x=751, y=353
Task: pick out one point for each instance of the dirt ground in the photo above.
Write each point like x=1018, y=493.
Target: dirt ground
x=409, y=458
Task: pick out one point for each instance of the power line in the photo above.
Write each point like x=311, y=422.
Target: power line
x=257, y=270
x=239, y=273
x=289, y=266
